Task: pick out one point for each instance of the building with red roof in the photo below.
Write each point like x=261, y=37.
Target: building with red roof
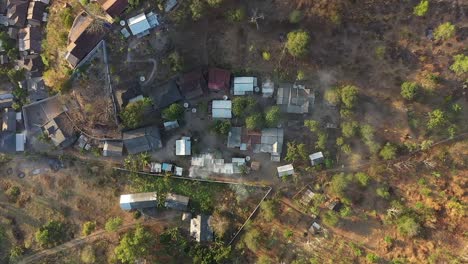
x=219, y=79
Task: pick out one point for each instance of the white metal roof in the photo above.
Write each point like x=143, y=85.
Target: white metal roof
x=179, y=171
x=243, y=85
x=20, y=140
x=285, y=170
x=183, y=146
x=317, y=155
x=138, y=197
x=222, y=109
x=138, y=24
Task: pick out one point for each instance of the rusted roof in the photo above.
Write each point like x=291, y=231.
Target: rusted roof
x=218, y=79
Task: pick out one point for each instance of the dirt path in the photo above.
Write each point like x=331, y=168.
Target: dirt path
x=149, y=60
x=93, y=237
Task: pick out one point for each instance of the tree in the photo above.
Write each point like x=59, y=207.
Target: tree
x=252, y=239
x=221, y=127
x=113, y=224
x=339, y=184
x=133, y=114
x=237, y=15
x=460, y=64
x=330, y=218
x=273, y=116
x=437, y=118
x=409, y=90
x=348, y=129
x=135, y=245
x=88, y=255
x=333, y=96
x=372, y=258
x=214, y=3
x=174, y=112
x=422, y=8
x=321, y=141
x=408, y=226
x=297, y=43
x=15, y=254
x=388, y=152
x=362, y=178
x=88, y=228
x=444, y=31
x=295, y=17
x=313, y=125
x=241, y=106
x=269, y=209
x=300, y=75
x=266, y=55
x=176, y=62
x=383, y=192
x=254, y=121
x=197, y=8
x=51, y=234
x=296, y=152
x=349, y=95
x=367, y=132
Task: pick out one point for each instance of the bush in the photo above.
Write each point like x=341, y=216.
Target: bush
x=339, y=184
x=266, y=55
x=254, y=121
x=362, y=178
x=460, y=64
x=15, y=254
x=174, y=112
x=269, y=209
x=437, y=118
x=297, y=43
x=422, y=8
x=236, y=15
x=330, y=218
x=382, y=192
x=333, y=96
x=88, y=255
x=348, y=129
x=252, y=239
x=295, y=17
x=221, y=127
x=241, y=106
x=197, y=8
x=133, y=114
x=349, y=95
x=409, y=90
x=321, y=141
x=388, y=152
x=88, y=228
x=408, y=226
x=296, y=152
x=300, y=75
x=113, y=224
x=214, y=3
x=444, y=31
x=273, y=116
x=51, y=234
x=372, y=258
x=287, y=233
x=313, y=125
x=380, y=52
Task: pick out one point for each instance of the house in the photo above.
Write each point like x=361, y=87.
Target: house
x=177, y=202
x=83, y=143
x=221, y=109
x=272, y=142
x=316, y=158
x=36, y=13
x=244, y=85
x=169, y=125
x=112, y=148
x=164, y=94
x=183, y=147
x=200, y=228
x=234, y=137
x=30, y=40
x=138, y=201
x=60, y=131
x=36, y=87
x=142, y=139
x=268, y=88
x=9, y=120
x=141, y=24
x=315, y=227
x=285, y=170
x=17, y=12
x=81, y=41
x=294, y=98
x=192, y=84
x=114, y=8
x=37, y=114
x=219, y=80
x=251, y=140
x=206, y=164
x=33, y=65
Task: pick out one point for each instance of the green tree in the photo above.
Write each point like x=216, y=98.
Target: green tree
x=297, y=43
x=300, y=75
x=437, y=118
x=88, y=228
x=422, y=8
x=133, y=114
x=88, y=255
x=269, y=209
x=313, y=125
x=237, y=15
x=321, y=141
x=460, y=64
x=330, y=218
x=372, y=258
x=113, y=224
x=409, y=90
x=174, y=112
x=175, y=61
x=348, y=129
x=15, y=254
x=362, y=178
x=266, y=55
x=197, y=7
x=383, y=192
x=408, y=226
x=444, y=31
x=135, y=245
x=288, y=233
x=241, y=106
x=221, y=127
x=349, y=95
x=296, y=152
x=333, y=96
x=51, y=234
x=254, y=121
x=295, y=16
x=273, y=116
x=214, y=3
x=388, y=152
x=339, y=184
x=252, y=239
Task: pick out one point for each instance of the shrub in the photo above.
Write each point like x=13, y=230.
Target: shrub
x=349, y=95
x=372, y=258
x=266, y=55
x=348, y=129
x=362, y=178
x=437, y=119
x=273, y=116
x=295, y=17
x=300, y=75
x=339, y=141
x=444, y=31
x=174, y=112
x=88, y=228
x=269, y=209
x=460, y=64
x=367, y=132
x=333, y=96
x=135, y=245
x=133, y=114
x=175, y=61
x=380, y=52
x=197, y=8
x=408, y=226
x=313, y=125
x=113, y=224
x=296, y=152
x=254, y=121
x=346, y=148
x=321, y=141
x=50, y=234
x=409, y=90
x=236, y=15
x=88, y=255
x=388, y=152
x=383, y=192
x=241, y=106
x=422, y=8
x=339, y=184
x=287, y=233
x=426, y=144
x=297, y=43
x=15, y=254
x=330, y=218
x=221, y=127
x=252, y=239
x=214, y=3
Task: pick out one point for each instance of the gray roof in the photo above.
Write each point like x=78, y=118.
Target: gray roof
x=37, y=114
x=200, y=228
x=272, y=140
x=9, y=120
x=165, y=94
x=234, y=137
x=7, y=142
x=112, y=149
x=142, y=139
x=60, y=131
x=294, y=99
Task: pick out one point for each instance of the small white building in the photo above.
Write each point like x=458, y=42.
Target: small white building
x=222, y=109
x=179, y=171
x=141, y=24
x=155, y=167
x=244, y=85
x=183, y=147
x=285, y=170
x=316, y=158
x=268, y=88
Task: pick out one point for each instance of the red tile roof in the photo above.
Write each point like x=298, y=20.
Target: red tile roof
x=218, y=79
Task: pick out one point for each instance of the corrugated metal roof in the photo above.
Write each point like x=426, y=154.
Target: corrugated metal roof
x=183, y=147
x=285, y=170
x=138, y=197
x=222, y=109
x=138, y=24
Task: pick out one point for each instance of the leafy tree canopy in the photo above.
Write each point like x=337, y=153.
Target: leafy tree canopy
x=349, y=95
x=422, y=8
x=460, y=64
x=221, y=127
x=135, y=245
x=409, y=90
x=241, y=106
x=297, y=43
x=444, y=31
x=51, y=234
x=296, y=152
x=174, y=112
x=273, y=116
x=388, y=152
x=437, y=118
x=254, y=121
x=133, y=114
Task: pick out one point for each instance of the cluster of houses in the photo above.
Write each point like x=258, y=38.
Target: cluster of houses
x=200, y=227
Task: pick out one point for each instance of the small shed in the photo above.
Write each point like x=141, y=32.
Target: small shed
x=179, y=171
x=315, y=227
x=169, y=125
x=139, y=24
x=218, y=79
x=138, y=201
x=285, y=170
x=112, y=148
x=155, y=167
x=167, y=167
x=268, y=88
x=222, y=109
x=183, y=147
x=316, y=158
x=244, y=85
